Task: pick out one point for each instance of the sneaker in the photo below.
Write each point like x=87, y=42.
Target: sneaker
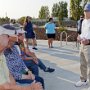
x=34, y=48
x=50, y=70
x=81, y=83
x=52, y=47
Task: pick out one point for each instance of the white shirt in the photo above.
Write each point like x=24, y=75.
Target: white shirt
x=4, y=71
x=19, y=51
x=85, y=29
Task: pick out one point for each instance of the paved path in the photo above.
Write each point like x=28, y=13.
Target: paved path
x=65, y=60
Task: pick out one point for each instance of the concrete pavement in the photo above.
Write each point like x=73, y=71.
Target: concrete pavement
x=65, y=60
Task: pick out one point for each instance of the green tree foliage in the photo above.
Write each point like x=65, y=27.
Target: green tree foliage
x=55, y=10
x=60, y=10
x=84, y=2
x=4, y=20
x=44, y=12
x=21, y=20
x=76, y=9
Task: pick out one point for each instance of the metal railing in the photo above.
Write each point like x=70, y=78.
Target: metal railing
x=66, y=39
x=64, y=32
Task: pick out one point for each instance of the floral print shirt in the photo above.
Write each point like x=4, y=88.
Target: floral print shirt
x=14, y=62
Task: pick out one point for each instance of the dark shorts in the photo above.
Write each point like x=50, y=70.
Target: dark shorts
x=51, y=36
x=30, y=35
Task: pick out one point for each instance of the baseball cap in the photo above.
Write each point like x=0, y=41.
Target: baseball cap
x=7, y=29
x=87, y=7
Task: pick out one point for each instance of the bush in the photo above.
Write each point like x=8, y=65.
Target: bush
x=61, y=29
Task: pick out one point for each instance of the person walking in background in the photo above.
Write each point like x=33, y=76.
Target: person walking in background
x=79, y=24
x=12, y=21
x=79, y=27
x=28, y=27
x=50, y=31
x=84, y=39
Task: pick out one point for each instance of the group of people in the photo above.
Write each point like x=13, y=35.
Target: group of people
x=19, y=67
x=49, y=27
x=7, y=77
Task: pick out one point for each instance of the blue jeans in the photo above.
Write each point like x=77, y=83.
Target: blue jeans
x=34, y=67
x=28, y=81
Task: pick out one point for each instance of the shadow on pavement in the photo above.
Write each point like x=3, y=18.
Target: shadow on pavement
x=61, y=79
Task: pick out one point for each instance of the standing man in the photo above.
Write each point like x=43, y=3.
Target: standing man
x=50, y=31
x=84, y=39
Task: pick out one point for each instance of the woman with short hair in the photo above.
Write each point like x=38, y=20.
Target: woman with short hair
x=50, y=32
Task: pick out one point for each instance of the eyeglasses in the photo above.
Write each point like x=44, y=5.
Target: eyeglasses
x=20, y=34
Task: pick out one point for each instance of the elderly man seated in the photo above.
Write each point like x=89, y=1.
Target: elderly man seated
x=29, y=58
x=6, y=80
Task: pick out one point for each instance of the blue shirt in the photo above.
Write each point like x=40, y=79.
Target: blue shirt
x=15, y=63
x=50, y=28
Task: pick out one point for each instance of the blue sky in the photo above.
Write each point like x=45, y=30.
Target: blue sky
x=18, y=8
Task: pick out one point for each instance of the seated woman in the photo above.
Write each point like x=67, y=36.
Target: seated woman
x=6, y=80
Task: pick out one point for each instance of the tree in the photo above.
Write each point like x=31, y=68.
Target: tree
x=21, y=20
x=76, y=9
x=4, y=20
x=84, y=2
x=44, y=12
x=60, y=10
